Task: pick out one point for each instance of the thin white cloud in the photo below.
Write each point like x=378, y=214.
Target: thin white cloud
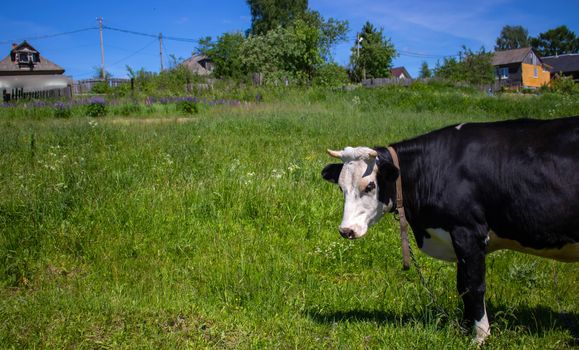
x=473, y=20
x=25, y=29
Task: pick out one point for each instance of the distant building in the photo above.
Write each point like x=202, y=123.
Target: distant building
x=566, y=65
x=199, y=64
x=520, y=68
x=400, y=73
x=25, y=68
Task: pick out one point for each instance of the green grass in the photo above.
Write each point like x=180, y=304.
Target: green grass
x=217, y=231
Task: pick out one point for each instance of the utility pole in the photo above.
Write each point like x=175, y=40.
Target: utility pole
x=358, y=45
x=359, y=39
x=161, y=49
x=100, y=22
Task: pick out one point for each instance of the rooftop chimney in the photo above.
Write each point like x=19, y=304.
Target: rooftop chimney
x=14, y=45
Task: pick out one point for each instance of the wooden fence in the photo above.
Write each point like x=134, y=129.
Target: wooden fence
x=19, y=94
x=375, y=82
x=78, y=87
x=86, y=85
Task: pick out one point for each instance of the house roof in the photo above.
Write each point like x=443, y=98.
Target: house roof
x=563, y=63
x=511, y=56
x=196, y=65
x=398, y=71
x=9, y=66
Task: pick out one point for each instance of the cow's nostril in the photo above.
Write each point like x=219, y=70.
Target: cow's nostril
x=347, y=233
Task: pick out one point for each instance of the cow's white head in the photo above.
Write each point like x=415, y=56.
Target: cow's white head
x=367, y=178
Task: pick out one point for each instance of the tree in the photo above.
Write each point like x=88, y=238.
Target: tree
x=225, y=54
x=425, y=72
x=204, y=45
x=512, y=37
x=474, y=67
x=283, y=53
x=556, y=41
x=332, y=32
x=478, y=66
x=267, y=15
x=175, y=61
x=331, y=74
x=98, y=73
x=449, y=70
x=372, y=55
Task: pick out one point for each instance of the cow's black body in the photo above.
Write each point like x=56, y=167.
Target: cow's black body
x=519, y=179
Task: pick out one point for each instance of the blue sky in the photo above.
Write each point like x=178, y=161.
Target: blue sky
x=420, y=30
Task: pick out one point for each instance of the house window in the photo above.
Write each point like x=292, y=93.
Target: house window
x=535, y=72
x=503, y=73
x=23, y=57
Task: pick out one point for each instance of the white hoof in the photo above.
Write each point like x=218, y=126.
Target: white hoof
x=482, y=330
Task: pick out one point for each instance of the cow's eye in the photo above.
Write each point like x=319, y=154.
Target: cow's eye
x=371, y=186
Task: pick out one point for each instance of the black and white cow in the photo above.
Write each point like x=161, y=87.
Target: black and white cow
x=469, y=190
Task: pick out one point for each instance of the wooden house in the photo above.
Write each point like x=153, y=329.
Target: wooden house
x=400, y=73
x=199, y=64
x=520, y=68
x=26, y=70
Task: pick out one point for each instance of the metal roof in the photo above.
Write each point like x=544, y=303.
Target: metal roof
x=563, y=63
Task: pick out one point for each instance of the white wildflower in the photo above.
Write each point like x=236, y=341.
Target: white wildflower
x=292, y=168
x=248, y=178
x=277, y=174
x=234, y=165
x=168, y=159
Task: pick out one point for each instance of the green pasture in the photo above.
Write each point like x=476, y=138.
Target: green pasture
x=216, y=230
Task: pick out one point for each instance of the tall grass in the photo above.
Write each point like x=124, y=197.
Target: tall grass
x=219, y=232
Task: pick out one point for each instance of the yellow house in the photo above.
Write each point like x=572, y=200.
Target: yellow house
x=520, y=68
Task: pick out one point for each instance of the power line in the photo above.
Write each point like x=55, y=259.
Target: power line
x=409, y=53
x=421, y=55
x=48, y=36
x=134, y=53
x=110, y=47
x=165, y=37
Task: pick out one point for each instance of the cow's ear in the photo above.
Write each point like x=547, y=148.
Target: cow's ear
x=332, y=172
x=388, y=170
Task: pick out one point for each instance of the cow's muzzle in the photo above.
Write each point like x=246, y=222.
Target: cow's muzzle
x=347, y=233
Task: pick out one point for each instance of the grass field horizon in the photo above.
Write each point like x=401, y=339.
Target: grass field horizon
x=216, y=230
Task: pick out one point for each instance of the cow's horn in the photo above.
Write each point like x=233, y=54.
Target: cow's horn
x=335, y=154
x=372, y=153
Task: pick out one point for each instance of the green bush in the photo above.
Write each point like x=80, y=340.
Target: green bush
x=331, y=74
x=101, y=88
x=129, y=109
x=61, y=111
x=564, y=85
x=96, y=108
x=187, y=107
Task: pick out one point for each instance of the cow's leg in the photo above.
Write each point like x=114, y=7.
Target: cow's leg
x=469, y=245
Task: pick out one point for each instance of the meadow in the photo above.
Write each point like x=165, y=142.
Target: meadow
x=156, y=229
